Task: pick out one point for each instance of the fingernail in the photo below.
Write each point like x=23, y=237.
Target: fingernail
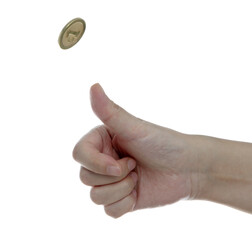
x=131, y=164
x=134, y=176
x=114, y=171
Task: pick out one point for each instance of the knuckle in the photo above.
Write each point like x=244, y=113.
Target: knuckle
x=85, y=178
x=111, y=212
x=75, y=152
x=116, y=109
x=95, y=196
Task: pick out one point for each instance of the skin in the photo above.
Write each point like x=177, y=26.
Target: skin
x=132, y=164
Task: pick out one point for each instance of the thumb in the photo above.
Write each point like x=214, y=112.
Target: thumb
x=113, y=116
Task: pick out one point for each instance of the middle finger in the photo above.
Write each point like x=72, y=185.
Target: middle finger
x=94, y=179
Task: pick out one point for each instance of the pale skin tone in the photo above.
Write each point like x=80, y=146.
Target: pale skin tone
x=132, y=164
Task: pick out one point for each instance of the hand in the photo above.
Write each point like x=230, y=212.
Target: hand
x=133, y=164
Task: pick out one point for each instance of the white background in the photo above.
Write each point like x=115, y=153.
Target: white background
x=185, y=65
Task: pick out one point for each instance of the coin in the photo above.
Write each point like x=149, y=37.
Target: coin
x=72, y=33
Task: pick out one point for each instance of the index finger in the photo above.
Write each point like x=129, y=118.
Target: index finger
x=87, y=153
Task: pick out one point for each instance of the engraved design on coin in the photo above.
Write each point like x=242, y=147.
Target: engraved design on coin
x=72, y=36
x=72, y=33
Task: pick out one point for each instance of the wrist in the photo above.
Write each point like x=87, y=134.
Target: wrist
x=201, y=159
x=222, y=171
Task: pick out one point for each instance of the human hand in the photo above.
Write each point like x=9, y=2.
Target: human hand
x=133, y=164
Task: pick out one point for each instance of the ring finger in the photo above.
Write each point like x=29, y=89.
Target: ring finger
x=111, y=193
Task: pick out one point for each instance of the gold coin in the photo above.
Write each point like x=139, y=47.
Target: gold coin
x=72, y=33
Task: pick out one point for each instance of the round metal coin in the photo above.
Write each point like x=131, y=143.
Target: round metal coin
x=72, y=33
